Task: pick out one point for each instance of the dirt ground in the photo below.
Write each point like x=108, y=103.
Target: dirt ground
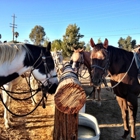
x=39, y=124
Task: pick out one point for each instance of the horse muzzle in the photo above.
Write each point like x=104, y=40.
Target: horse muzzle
x=96, y=82
x=52, y=89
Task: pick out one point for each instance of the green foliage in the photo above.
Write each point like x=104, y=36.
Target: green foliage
x=57, y=45
x=127, y=44
x=71, y=39
x=37, y=35
x=88, y=48
x=46, y=41
x=0, y=36
x=99, y=40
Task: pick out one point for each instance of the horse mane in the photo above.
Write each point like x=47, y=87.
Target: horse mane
x=8, y=51
x=119, y=51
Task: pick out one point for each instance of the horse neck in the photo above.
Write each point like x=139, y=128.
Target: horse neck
x=119, y=60
x=86, y=56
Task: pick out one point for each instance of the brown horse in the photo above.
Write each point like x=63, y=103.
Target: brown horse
x=80, y=57
x=123, y=70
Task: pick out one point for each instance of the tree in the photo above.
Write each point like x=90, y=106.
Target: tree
x=16, y=34
x=57, y=45
x=46, y=41
x=99, y=40
x=127, y=44
x=88, y=48
x=37, y=35
x=71, y=39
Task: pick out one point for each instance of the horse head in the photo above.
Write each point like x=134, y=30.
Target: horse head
x=77, y=59
x=44, y=69
x=99, y=61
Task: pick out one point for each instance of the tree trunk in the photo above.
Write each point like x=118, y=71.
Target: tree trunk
x=69, y=99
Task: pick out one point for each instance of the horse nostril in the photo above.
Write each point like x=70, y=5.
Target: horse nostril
x=96, y=81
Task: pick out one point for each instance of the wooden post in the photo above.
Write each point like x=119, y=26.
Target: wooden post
x=69, y=99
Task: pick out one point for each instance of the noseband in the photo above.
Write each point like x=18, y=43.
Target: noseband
x=105, y=68
x=43, y=58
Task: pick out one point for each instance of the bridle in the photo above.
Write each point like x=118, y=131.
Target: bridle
x=105, y=68
x=43, y=59
x=43, y=88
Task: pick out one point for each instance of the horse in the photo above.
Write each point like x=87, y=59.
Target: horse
x=80, y=57
x=123, y=71
x=58, y=60
x=17, y=59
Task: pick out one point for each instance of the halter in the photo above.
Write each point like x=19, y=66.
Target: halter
x=105, y=68
x=49, y=84
x=42, y=55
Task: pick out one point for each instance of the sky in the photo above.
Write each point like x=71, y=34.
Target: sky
x=102, y=19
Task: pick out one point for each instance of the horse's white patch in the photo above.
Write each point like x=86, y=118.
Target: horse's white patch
x=42, y=77
x=16, y=65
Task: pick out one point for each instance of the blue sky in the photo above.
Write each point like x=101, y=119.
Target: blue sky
x=102, y=19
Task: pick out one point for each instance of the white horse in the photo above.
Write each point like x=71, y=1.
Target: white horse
x=58, y=60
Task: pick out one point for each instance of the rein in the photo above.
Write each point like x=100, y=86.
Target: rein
x=124, y=74
x=23, y=115
x=44, y=89
x=106, y=67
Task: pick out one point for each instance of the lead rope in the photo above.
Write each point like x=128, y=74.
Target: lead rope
x=123, y=76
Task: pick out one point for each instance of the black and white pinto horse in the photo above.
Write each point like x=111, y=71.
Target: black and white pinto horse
x=17, y=59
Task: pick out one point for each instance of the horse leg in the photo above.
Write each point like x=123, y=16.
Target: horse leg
x=99, y=95
x=124, y=110
x=34, y=86
x=6, y=100
x=132, y=103
x=93, y=95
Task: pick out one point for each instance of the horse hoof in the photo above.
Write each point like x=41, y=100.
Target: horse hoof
x=7, y=126
x=125, y=134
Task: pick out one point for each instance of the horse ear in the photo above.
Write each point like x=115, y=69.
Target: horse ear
x=48, y=48
x=92, y=44
x=106, y=43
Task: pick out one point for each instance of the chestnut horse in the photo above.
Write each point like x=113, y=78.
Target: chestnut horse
x=123, y=70
x=80, y=57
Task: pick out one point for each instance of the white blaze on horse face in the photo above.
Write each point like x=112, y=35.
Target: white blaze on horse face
x=75, y=56
x=42, y=77
x=74, y=65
